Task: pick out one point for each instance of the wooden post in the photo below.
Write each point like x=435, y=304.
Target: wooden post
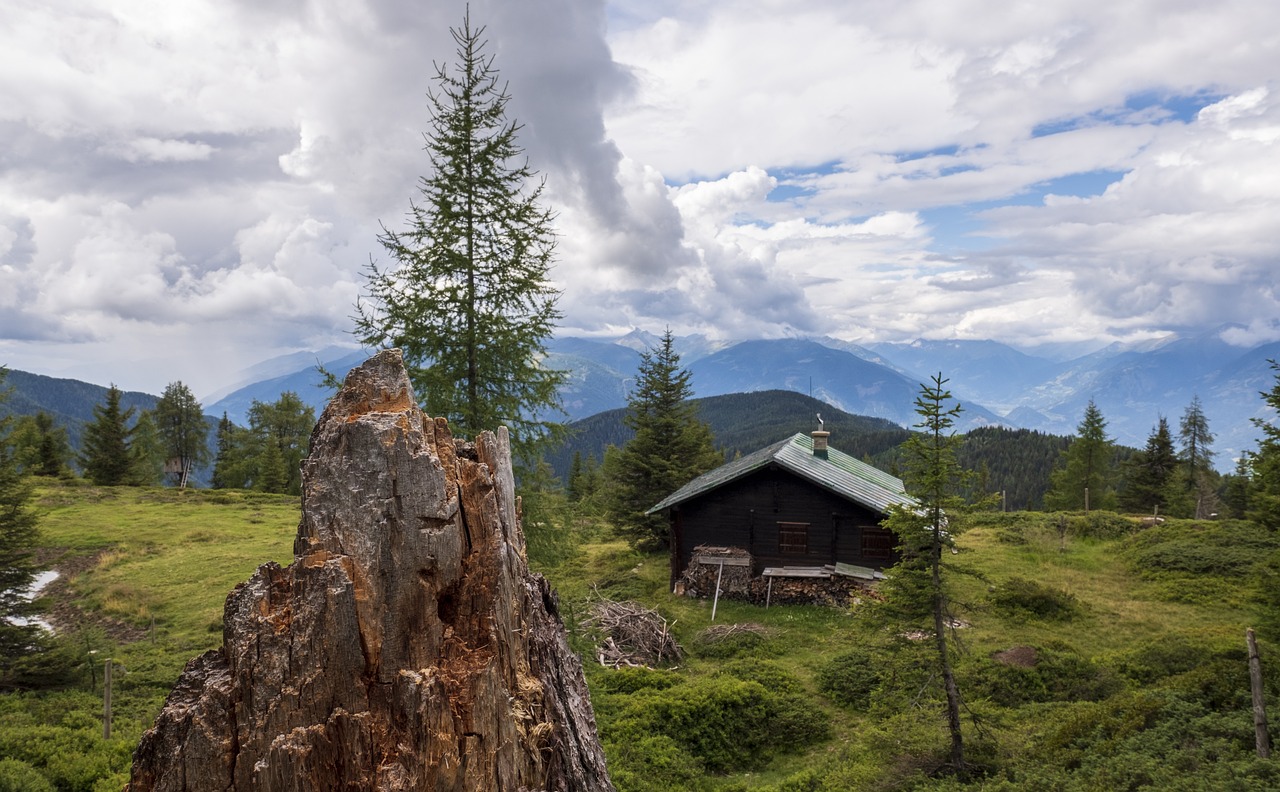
x=768, y=593
x=1261, y=738
x=715, y=602
x=1086, y=500
x=106, y=699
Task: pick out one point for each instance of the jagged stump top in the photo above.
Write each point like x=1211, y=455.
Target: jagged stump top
x=407, y=647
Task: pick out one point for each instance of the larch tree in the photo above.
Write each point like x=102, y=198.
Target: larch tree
x=183, y=432
x=1198, y=457
x=146, y=452
x=41, y=447
x=917, y=593
x=104, y=449
x=671, y=446
x=468, y=297
x=285, y=424
x=1084, y=481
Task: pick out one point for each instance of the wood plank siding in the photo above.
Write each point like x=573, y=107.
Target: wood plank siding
x=782, y=520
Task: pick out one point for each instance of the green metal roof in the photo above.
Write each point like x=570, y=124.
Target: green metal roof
x=838, y=473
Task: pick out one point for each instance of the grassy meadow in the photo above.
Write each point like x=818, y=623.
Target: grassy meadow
x=1130, y=671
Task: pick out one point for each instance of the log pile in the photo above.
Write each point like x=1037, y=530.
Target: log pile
x=820, y=585
x=699, y=578
x=837, y=591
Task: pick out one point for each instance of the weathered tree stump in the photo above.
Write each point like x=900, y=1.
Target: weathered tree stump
x=407, y=647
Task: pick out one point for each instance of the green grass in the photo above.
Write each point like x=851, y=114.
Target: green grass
x=166, y=554
x=1133, y=673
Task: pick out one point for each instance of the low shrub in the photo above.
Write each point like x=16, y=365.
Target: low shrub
x=630, y=680
x=1228, y=548
x=795, y=720
x=18, y=776
x=1020, y=597
x=1147, y=740
x=1100, y=525
x=717, y=721
x=723, y=645
x=850, y=678
x=1046, y=675
x=1151, y=661
x=652, y=763
x=736, y=720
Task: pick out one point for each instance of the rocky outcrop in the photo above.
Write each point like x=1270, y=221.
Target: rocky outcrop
x=407, y=647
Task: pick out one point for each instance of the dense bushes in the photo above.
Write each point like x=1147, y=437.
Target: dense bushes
x=16, y=776
x=1019, y=527
x=1038, y=675
x=1229, y=547
x=1022, y=598
x=663, y=736
x=850, y=678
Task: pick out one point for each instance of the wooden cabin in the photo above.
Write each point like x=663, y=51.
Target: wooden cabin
x=796, y=504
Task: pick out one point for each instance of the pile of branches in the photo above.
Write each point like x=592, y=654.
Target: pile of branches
x=634, y=636
x=717, y=633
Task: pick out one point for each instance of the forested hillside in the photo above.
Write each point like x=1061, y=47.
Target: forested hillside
x=741, y=423
x=70, y=402
x=1017, y=462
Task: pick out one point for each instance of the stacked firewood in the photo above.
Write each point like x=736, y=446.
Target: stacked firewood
x=699, y=578
x=836, y=591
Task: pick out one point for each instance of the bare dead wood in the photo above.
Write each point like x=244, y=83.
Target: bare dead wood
x=1262, y=738
x=407, y=647
x=635, y=636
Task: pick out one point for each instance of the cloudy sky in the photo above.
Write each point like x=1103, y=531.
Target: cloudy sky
x=191, y=186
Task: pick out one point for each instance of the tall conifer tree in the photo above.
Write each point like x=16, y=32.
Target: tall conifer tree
x=104, y=451
x=917, y=593
x=146, y=453
x=468, y=299
x=40, y=445
x=1085, y=480
x=1198, y=455
x=183, y=431
x=286, y=424
x=671, y=446
x=1151, y=472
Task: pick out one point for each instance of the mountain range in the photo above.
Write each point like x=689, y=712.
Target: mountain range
x=998, y=385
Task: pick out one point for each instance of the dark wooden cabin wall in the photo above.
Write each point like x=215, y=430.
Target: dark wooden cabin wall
x=746, y=513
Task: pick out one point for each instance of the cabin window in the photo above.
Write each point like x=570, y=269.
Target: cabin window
x=793, y=538
x=876, y=543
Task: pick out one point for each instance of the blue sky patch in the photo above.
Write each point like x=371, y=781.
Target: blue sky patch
x=1081, y=185
x=1146, y=107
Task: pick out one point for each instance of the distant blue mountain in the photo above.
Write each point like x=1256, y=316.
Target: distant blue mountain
x=307, y=382
x=1133, y=385
x=834, y=376
x=987, y=372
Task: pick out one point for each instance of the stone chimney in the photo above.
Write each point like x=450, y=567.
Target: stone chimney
x=820, y=443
